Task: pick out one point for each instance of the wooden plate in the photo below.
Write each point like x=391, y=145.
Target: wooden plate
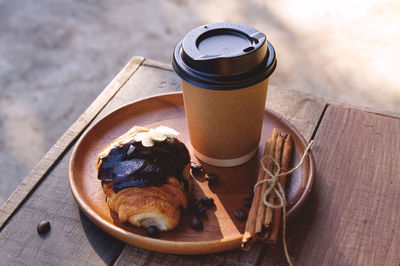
x=222, y=230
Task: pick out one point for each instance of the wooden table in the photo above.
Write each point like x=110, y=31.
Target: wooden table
x=351, y=218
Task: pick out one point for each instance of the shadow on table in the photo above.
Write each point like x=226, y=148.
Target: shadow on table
x=234, y=184
x=103, y=244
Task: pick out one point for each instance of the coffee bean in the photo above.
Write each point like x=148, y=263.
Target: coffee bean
x=196, y=168
x=152, y=231
x=240, y=214
x=212, y=178
x=43, y=227
x=207, y=201
x=197, y=224
x=247, y=202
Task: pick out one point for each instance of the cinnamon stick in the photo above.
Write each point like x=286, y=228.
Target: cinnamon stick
x=263, y=222
x=269, y=212
x=261, y=226
x=249, y=234
x=286, y=155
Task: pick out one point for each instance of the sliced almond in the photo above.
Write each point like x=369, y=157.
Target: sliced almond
x=167, y=131
x=140, y=136
x=147, y=141
x=156, y=135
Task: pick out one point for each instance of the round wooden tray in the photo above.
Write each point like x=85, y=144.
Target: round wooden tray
x=222, y=230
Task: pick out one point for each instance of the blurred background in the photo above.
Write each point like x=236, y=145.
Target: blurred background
x=57, y=56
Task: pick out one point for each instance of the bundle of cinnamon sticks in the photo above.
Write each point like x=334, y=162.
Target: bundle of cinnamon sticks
x=263, y=222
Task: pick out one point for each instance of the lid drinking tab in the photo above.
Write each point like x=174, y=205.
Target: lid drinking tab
x=224, y=56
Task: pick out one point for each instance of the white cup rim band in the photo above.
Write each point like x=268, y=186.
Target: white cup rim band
x=225, y=162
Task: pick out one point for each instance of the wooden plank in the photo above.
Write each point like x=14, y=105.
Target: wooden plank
x=137, y=256
x=353, y=213
x=302, y=112
x=55, y=153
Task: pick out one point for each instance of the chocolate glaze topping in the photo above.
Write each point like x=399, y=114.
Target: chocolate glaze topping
x=145, y=166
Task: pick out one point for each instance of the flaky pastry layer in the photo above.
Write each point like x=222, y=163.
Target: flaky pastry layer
x=147, y=206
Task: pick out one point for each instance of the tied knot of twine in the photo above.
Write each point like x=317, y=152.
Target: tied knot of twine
x=276, y=187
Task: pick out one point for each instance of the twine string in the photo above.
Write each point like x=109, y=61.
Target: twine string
x=276, y=187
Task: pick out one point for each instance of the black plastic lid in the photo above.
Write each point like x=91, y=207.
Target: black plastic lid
x=223, y=56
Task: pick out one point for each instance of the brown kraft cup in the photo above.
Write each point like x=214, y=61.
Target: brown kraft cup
x=224, y=70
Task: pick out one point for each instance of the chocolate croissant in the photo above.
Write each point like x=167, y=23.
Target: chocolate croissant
x=145, y=176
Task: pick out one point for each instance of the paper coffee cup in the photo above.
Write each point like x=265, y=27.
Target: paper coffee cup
x=224, y=70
